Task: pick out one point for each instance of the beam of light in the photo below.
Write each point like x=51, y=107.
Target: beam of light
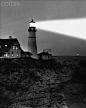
x=71, y=27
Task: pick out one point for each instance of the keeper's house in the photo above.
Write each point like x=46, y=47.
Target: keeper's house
x=10, y=48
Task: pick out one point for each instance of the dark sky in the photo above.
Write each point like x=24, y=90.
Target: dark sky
x=15, y=22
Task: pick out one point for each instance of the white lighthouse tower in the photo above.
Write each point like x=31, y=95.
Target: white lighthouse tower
x=32, y=46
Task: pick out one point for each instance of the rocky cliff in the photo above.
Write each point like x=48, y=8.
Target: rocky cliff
x=40, y=84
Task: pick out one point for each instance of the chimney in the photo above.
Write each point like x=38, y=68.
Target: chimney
x=10, y=37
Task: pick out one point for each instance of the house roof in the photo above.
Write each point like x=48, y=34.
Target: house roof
x=26, y=52
x=44, y=53
x=9, y=43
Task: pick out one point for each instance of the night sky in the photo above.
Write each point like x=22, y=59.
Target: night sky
x=15, y=22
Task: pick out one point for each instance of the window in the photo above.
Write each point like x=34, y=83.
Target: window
x=5, y=55
x=0, y=46
x=5, y=45
x=12, y=53
x=17, y=54
x=13, y=47
x=16, y=47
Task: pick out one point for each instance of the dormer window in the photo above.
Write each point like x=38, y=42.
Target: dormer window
x=5, y=45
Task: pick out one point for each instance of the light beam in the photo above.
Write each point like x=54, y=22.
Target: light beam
x=71, y=27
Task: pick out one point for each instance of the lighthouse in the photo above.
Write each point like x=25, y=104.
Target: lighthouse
x=32, y=46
